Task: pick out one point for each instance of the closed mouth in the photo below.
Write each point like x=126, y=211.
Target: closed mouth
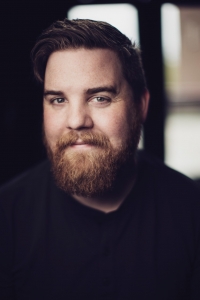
x=81, y=144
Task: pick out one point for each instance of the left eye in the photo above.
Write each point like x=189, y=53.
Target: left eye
x=100, y=99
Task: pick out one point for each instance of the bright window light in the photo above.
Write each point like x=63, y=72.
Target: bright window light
x=171, y=33
x=183, y=142
x=122, y=16
x=180, y=42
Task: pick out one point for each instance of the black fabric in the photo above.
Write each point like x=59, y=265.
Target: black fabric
x=52, y=247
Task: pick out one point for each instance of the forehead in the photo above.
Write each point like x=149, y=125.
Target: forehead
x=83, y=67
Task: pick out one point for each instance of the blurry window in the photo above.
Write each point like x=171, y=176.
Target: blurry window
x=181, y=52
x=122, y=16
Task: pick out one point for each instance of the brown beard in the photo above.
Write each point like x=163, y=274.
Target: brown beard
x=93, y=171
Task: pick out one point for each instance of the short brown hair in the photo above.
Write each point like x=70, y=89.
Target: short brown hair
x=89, y=34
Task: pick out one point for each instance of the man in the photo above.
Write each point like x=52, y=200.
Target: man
x=105, y=222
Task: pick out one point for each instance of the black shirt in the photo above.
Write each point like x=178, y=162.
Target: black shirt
x=53, y=247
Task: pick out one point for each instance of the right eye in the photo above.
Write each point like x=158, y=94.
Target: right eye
x=58, y=100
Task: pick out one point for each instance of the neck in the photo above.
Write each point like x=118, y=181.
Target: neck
x=112, y=200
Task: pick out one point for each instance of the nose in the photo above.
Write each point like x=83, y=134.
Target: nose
x=79, y=117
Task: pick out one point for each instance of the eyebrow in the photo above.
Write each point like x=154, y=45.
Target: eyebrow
x=52, y=92
x=110, y=89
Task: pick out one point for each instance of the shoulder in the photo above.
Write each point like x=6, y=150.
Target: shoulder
x=174, y=197
x=27, y=182
x=167, y=182
x=162, y=173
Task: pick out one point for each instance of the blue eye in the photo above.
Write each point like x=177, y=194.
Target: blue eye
x=58, y=100
x=100, y=99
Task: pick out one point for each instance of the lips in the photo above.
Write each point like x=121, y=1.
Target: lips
x=85, y=139
x=80, y=143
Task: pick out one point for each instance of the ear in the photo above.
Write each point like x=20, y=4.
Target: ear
x=145, y=104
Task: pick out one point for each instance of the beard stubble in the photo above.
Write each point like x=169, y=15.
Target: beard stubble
x=94, y=171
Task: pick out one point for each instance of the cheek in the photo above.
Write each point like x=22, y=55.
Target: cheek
x=115, y=126
x=120, y=130
x=52, y=127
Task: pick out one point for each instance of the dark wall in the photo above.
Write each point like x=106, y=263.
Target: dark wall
x=20, y=98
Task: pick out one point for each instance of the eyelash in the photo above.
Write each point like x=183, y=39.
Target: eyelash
x=103, y=100
x=53, y=100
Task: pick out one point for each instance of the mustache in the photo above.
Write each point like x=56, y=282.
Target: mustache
x=87, y=137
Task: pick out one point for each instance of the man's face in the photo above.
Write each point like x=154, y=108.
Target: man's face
x=89, y=115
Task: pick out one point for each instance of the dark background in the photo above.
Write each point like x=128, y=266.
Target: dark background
x=21, y=99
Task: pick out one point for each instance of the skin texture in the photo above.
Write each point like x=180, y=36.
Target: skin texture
x=85, y=90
